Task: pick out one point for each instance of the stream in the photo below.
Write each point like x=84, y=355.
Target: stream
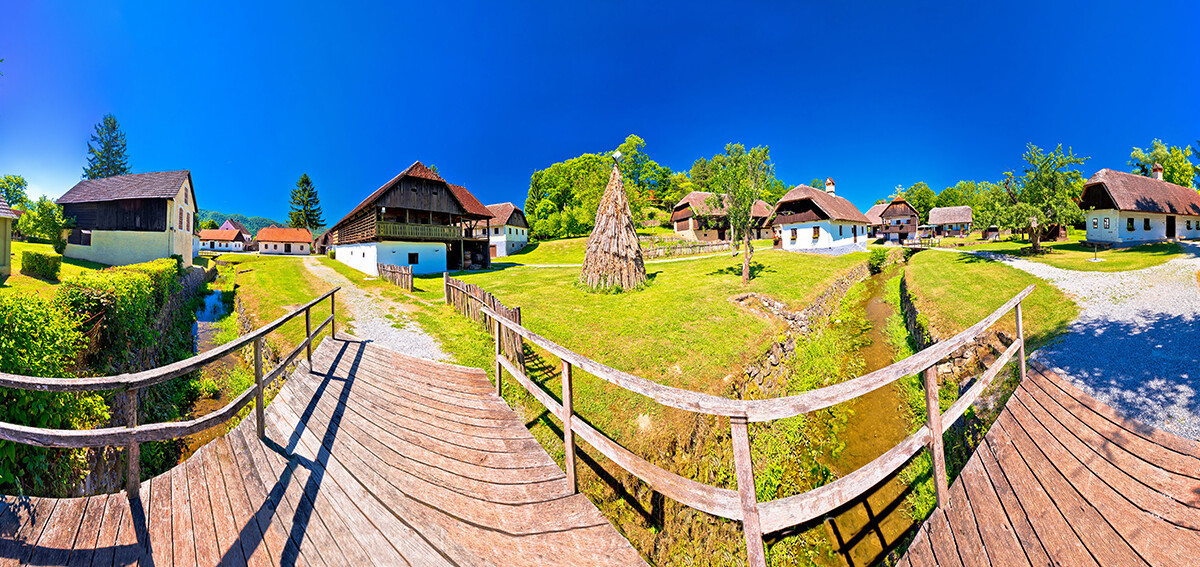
x=866, y=531
x=206, y=329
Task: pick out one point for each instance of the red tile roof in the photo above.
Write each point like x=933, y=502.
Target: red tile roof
x=220, y=235
x=836, y=208
x=156, y=185
x=501, y=213
x=1132, y=192
x=469, y=202
x=276, y=234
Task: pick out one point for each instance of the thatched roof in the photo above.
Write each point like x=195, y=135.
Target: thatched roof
x=950, y=215
x=873, y=213
x=1109, y=189
x=613, y=259
x=829, y=206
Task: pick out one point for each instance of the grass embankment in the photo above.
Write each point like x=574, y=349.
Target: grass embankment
x=571, y=251
x=273, y=286
x=1072, y=254
x=19, y=283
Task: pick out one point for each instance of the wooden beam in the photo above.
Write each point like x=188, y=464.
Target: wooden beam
x=568, y=413
x=1021, y=339
x=258, y=389
x=133, y=452
x=936, y=446
x=744, y=469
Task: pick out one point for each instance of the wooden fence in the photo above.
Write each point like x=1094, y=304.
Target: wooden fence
x=742, y=504
x=470, y=299
x=685, y=248
x=398, y=275
x=132, y=435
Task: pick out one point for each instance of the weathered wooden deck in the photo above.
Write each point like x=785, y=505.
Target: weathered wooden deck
x=1062, y=479
x=373, y=457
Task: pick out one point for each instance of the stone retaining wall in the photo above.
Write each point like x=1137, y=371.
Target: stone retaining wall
x=981, y=351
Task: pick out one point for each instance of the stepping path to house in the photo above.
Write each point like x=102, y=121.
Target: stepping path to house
x=1136, y=343
x=370, y=311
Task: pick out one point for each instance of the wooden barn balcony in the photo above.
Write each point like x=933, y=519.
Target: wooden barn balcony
x=405, y=231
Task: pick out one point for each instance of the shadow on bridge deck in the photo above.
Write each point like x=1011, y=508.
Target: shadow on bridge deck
x=372, y=457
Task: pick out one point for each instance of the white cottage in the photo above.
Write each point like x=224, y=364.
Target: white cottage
x=1128, y=209
x=222, y=240
x=812, y=220
x=508, y=231
x=275, y=240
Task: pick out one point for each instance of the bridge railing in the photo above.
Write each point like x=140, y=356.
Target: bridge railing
x=742, y=504
x=132, y=435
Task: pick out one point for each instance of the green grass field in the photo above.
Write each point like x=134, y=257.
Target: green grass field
x=22, y=284
x=571, y=251
x=272, y=286
x=1072, y=254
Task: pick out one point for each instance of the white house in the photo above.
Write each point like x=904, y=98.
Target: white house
x=130, y=219
x=247, y=236
x=8, y=219
x=275, y=240
x=1129, y=209
x=812, y=220
x=951, y=221
x=222, y=240
x=508, y=231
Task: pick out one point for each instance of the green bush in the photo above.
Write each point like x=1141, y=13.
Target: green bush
x=332, y=254
x=163, y=276
x=41, y=264
x=126, y=300
x=877, y=259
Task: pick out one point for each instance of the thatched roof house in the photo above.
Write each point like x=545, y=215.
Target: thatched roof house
x=950, y=221
x=1124, y=208
x=807, y=218
x=695, y=219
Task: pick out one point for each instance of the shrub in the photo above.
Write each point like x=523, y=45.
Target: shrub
x=163, y=276
x=877, y=259
x=332, y=254
x=41, y=264
x=126, y=300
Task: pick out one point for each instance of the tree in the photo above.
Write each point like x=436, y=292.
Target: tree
x=12, y=188
x=740, y=181
x=107, y=157
x=209, y=225
x=1176, y=162
x=306, y=207
x=1046, y=193
x=922, y=198
x=44, y=220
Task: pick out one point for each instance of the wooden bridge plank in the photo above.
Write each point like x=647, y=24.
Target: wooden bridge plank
x=33, y=514
x=84, y=546
x=249, y=534
x=279, y=544
x=133, y=535
x=1052, y=529
x=183, y=538
x=224, y=523
x=203, y=523
x=57, y=539
x=920, y=552
x=1030, y=545
x=941, y=538
x=159, y=521
x=962, y=519
x=1110, y=496
x=1102, y=541
x=996, y=533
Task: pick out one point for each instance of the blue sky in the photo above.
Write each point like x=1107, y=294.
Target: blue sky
x=249, y=95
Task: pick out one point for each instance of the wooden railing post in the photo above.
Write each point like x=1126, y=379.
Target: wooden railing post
x=308, y=335
x=332, y=313
x=743, y=466
x=936, y=447
x=499, y=369
x=258, y=393
x=1021, y=337
x=446, y=286
x=133, y=452
x=568, y=405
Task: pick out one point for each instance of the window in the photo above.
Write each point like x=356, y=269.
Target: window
x=1095, y=222
x=1189, y=225
x=412, y=258
x=1105, y=223
x=1129, y=225
x=496, y=230
x=839, y=230
x=179, y=225
x=277, y=248
x=793, y=234
x=1145, y=224
x=816, y=232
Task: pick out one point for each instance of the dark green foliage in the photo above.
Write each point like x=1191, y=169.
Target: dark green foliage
x=876, y=260
x=922, y=198
x=41, y=264
x=306, y=207
x=107, y=157
x=253, y=224
x=208, y=224
x=332, y=254
x=12, y=188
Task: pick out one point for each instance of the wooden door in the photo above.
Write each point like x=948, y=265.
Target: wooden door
x=492, y=250
x=1170, y=227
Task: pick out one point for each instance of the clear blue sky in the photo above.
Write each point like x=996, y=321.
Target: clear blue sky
x=249, y=95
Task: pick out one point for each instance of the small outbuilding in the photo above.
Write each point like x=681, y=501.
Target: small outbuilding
x=1128, y=209
x=275, y=240
x=8, y=219
x=222, y=240
x=950, y=221
x=810, y=219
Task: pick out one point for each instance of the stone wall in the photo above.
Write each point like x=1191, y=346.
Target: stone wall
x=967, y=359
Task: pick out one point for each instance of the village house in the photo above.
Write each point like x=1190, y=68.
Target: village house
x=873, y=216
x=813, y=220
x=275, y=240
x=950, y=221
x=1128, y=209
x=899, y=221
x=247, y=237
x=223, y=240
x=416, y=219
x=134, y=218
x=694, y=219
x=508, y=231
x=8, y=219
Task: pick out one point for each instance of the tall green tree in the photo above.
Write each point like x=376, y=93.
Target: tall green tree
x=922, y=198
x=306, y=207
x=209, y=225
x=106, y=151
x=1177, y=162
x=13, y=189
x=740, y=181
x=1046, y=193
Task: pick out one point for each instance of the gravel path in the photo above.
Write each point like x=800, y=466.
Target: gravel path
x=1136, y=343
x=370, y=312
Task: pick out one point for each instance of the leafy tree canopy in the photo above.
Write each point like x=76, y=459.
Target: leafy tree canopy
x=740, y=181
x=106, y=151
x=1177, y=162
x=922, y=198
x=1045, y=193
x=209, y=225
x=45, y=220
x=13, y=189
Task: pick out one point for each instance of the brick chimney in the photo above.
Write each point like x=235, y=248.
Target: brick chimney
x=1156, y=171
x=829, y=185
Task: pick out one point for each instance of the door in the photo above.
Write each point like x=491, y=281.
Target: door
x=492, y=250
x=287, y=247
x=1170, y=227
x=720, y=234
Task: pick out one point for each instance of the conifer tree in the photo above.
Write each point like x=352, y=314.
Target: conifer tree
x=106, y=158
x=306, y=207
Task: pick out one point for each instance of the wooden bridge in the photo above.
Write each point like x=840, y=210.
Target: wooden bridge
x=367, y=456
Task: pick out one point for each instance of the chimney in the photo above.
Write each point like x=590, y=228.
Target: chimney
x=829, y=185
x=1156, y=171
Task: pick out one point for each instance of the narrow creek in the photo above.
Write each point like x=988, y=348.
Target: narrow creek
x=864, y=533
x=208, y=316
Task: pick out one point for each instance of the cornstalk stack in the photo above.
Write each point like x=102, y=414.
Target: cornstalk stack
x=613, y=259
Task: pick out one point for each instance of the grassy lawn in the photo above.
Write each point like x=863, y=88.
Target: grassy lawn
x=1072, y=254
x=571, y=251
x=957, y=290
x=22, y=284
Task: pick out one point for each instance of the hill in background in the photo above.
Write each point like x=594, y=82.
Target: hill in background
x=253, y=224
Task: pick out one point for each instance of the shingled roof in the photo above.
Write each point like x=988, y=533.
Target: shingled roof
x=468, y=201
x=834, y=207
x=502, y=212
x=1130, y=192
x=156, y=185
x=276, y=234
x=6, y=212
x=950, y=215
x=874, y=214
x=697, y=202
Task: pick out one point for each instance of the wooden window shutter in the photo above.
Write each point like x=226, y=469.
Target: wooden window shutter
x=793, y=234
x=816, y=232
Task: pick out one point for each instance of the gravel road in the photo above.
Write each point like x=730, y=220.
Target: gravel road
x=1136, y=343
x=370, y=312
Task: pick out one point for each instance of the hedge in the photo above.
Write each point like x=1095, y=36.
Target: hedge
x=162, y=274
x=41, y=264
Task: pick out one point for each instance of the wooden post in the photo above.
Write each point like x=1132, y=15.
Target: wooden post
x=333, y=313
x=308, y=334
x=936, y=447
x=499, y=369
x=446, y=286
x=133, y=452
x=567, y=419
x=518, y=342
x=1021, y=337
x=756, y=555
x=258, y=394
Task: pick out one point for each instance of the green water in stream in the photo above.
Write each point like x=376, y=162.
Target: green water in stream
x=864, y=533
